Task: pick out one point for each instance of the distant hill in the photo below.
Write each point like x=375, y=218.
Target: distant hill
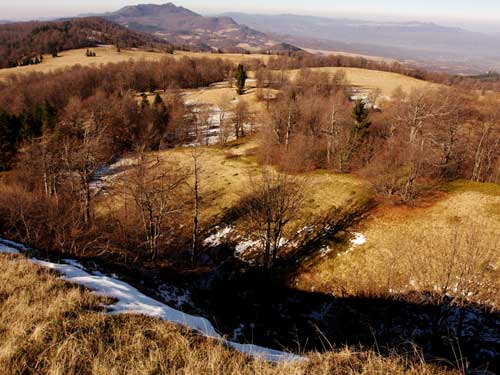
x=23, y=40
x=181, y=26
x=425, y=43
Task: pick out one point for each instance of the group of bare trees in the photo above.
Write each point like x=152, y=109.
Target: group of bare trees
x=299, y=60
x=32, y=105
x=272, y=202
x=22, y=40
x=415, y=141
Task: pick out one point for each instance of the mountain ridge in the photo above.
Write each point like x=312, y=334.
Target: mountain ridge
x=182, y=26
x=426, y=43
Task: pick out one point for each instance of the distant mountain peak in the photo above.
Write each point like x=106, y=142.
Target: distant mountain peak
x=182, y=26
x=155, y=10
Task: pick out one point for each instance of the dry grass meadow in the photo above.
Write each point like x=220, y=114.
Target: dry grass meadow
x=50, y=327
x=225, y=178
x=386, y=82
x=423, y=248
x=109, y=54
x=371, y=79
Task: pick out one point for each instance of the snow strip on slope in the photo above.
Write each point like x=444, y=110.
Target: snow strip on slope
x=358, y=240
x=129, y=300
x=8, y=250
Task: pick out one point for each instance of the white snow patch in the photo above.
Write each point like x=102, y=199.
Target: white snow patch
x=175, y=296
x=105, y=175
x=244, y=246
x=358, y=240
x=217, y=238
x=8, y=250
x=129, y=300
x=12, y=247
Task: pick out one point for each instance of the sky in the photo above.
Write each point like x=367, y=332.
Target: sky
x=481, y=15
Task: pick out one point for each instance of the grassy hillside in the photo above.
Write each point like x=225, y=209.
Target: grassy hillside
x=373, y=79
x=50, y=327
x=410, y=249
x=225, y=178
x=27, y=40
x=109, y=54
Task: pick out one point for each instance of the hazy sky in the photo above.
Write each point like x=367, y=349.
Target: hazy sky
x=479, y=14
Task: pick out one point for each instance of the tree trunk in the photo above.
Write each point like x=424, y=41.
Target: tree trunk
x=194, y=250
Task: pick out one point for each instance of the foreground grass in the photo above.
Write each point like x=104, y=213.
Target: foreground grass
x=50, y=327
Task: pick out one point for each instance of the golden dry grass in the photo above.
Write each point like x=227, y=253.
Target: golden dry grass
x=373, y=79
x=109, y=54
x=222, y=95
x=415, y=249
x=50, y=327
x=233, y=57
x=350, y=54
x=225, y=180
x=105, y=55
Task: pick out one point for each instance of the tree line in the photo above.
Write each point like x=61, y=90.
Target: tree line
x=418, y=139
x=25, y=41
x=32, y=105
x=298, y=60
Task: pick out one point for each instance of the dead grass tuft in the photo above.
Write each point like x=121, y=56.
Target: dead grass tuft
x=50, y=327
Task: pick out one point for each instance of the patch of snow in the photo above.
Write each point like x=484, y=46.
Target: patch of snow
x=12, y=246
x=175, y=296
x=244, y=246
x=238, y=333
x=8, y=250
x=217, y=238
x=358, y=240
x=107, y=173
x=129, y=300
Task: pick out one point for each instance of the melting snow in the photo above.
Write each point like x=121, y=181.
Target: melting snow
x=217, y=238
x=358, y=240
x=8, y=250
x=129, y=300
x=244, y=246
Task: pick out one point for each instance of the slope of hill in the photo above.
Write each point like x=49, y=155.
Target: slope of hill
x=427, y=43
x=50, y=326
x=29, y=39
x=182, y=26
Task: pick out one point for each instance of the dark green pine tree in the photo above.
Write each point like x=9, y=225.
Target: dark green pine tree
x=160, y=121
x=9, y=139
x=241, y=77
x=158, y=100
x=152, y=85
x=49, y=114
x=359, y=131
x=361, y=123
x=144, y=101
x=53, y=49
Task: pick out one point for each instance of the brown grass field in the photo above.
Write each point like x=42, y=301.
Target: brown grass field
x=373, y=79
x=109, y=54
x=225, y=178
x=415, y=248
x=49, y=327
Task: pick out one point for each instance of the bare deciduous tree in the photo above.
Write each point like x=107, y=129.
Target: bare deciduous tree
x=274, y=201
x=154, y=189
